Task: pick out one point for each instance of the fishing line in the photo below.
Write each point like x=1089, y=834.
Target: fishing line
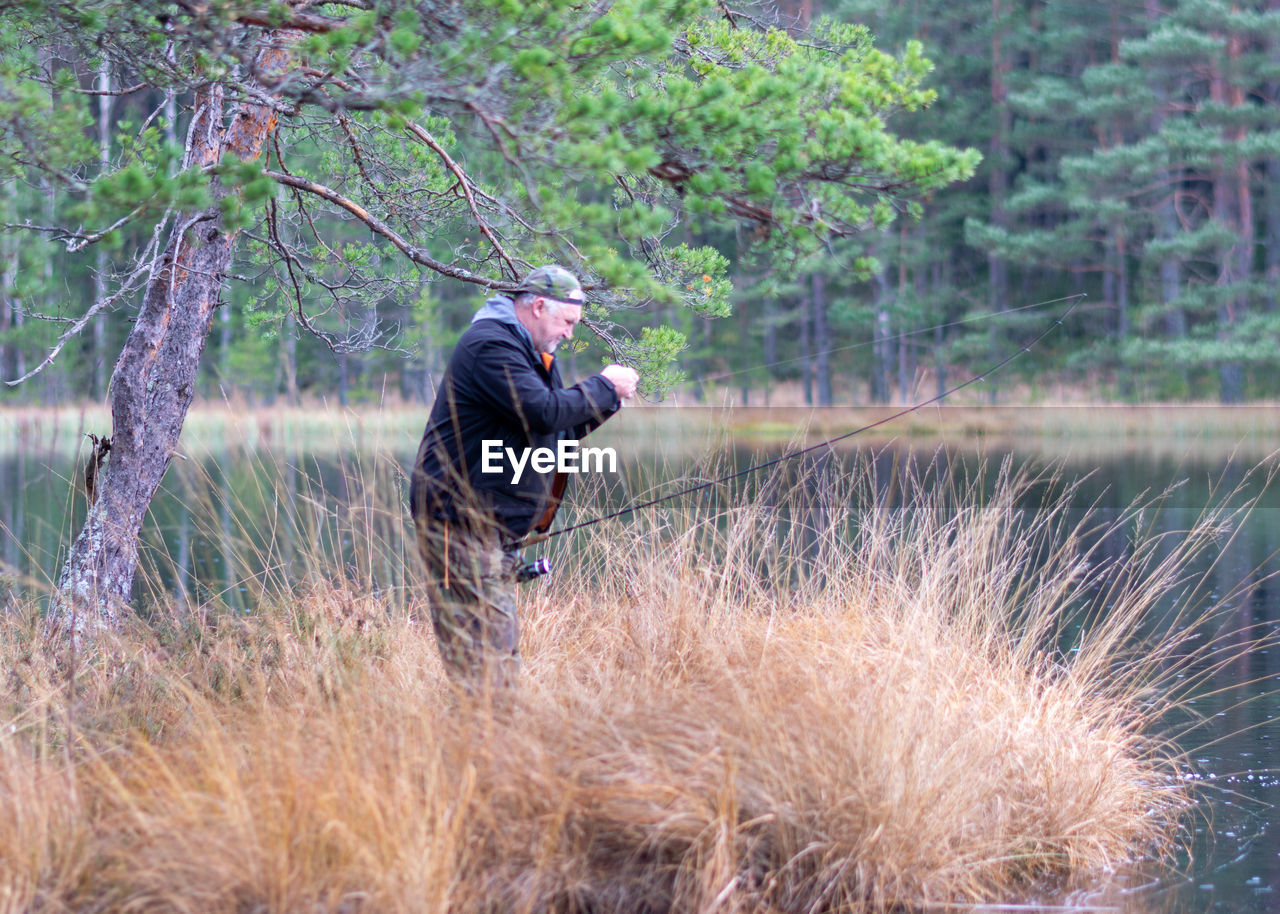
x=897, y=337
x=689, y=490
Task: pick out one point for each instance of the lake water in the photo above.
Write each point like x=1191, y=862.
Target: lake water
x=243, y=513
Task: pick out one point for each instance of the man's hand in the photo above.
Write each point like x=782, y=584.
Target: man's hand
x=623, y=379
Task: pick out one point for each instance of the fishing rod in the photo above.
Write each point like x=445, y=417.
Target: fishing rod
x=790, y=455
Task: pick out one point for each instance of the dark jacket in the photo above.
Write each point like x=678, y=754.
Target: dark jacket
x=497, y=387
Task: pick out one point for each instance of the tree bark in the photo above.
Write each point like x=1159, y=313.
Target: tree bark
x=344, y=379
x=1175, y=318
x=10, y=309
x=154, y=378
x=100, y=267
x=1271, y=193
x=770, y=344
x=1271, y=246
x=822, y=337
x=905, y=369
x=806, y=349
x=1123, y=326
x=940, y=281
x=744, y=338
x=883, y=343
x=1233, y=208
x=289, y=358
x=998, y=179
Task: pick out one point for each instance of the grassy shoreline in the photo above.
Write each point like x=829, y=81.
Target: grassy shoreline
x=768, y=708
x=1249, y=432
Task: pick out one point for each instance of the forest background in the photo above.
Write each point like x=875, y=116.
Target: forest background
x=1131, y=151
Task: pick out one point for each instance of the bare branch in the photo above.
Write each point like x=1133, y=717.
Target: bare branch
x=300, y=21
x=143, y=268
x=357, y=153
x=114, y=92
x=311, y=224
x=464, y=184
x=354, y=4
x=58, y=231
x=325, y=77
x=75, y=241
x=496, y=127
x=155, y=112
x=83, y=241
x=64, y=177
x=416, y=254
x=250, y=90
x=364, y=339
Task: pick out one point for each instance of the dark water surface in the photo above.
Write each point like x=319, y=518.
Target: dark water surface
x=230, y=519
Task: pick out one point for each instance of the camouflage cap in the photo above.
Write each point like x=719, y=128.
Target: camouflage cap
x=554, y=282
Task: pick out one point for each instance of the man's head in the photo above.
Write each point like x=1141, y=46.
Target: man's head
x=549, y=305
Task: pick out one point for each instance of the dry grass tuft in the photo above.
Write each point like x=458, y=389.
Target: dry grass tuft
x=776, y=708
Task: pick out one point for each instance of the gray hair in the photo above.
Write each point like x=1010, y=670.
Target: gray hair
x=525, y=300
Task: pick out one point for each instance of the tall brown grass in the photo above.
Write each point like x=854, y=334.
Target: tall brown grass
x=940, y=698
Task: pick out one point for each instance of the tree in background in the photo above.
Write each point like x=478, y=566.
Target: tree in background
x=347, y=149
x=1131, y=154
x=1215, y=136
x=1161, y=202
x=928, y=278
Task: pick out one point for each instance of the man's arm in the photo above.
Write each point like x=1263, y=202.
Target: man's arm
x=509, y=384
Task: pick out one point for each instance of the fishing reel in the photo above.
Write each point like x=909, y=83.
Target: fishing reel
x=535, y=569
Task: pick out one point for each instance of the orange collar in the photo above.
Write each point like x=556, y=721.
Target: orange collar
x=547, y=359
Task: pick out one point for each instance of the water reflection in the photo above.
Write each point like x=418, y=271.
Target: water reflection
x=241, y=524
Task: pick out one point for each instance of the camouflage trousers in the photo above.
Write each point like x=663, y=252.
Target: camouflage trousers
x=471, y=591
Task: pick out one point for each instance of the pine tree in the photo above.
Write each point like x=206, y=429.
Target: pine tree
x=1163, y=201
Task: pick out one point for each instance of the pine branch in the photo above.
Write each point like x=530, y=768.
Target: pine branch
x=376, y=225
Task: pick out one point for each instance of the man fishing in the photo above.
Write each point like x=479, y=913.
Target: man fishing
x=478, y=487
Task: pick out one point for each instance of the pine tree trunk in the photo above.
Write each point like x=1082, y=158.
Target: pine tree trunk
x=1123, y=326
x=9, y=307
x=223, y=353
x=344, y=380
x=1175, y=319
x=289, y=356
x=154, y=378
x=100, y=267
x=1271, y=202
x=806, y=350
x=1233, y=208
x=744, y=336
x=940, y=363
x=998, y=180
x=770, y=344
x=822, y=340
x=48, y=379
x=883, y=347
x=904, y=371
x=1271, y=243
x=998, y=151
x=1245, y=226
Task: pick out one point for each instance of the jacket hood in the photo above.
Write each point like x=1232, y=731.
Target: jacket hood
x=502, y=309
